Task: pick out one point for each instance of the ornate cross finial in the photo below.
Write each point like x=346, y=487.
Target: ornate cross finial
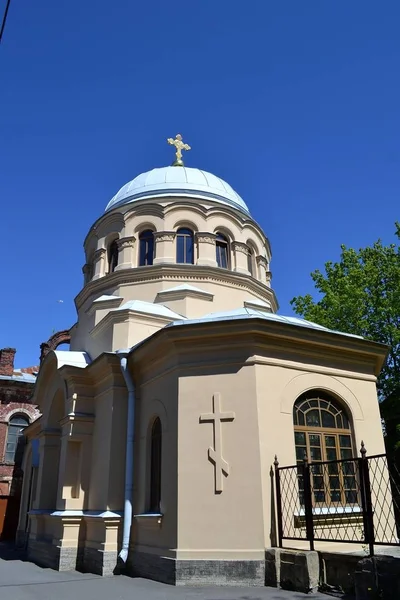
x=179, y=145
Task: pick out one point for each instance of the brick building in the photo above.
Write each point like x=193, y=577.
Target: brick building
x=16, y=413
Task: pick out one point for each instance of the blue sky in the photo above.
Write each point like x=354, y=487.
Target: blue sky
x=295, y=104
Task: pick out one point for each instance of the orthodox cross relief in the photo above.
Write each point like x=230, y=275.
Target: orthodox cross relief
x=215, y=454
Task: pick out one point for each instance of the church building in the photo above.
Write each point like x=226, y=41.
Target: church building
x=160, y=425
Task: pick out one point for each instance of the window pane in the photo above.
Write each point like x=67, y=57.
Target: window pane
x=335, y=496
x=314, y=439
x=328, y=420
x=301, y=452
x=330, y=440
x=331, y=454
x=189, y=249
x=318, y=482
x=346, y=452
x=300, y=418
x=334, y=483
x=150, y=251
x=350, y=483
x=300, y=438
x=19, y=421
x=345, y=441
x=180, y=249
x=348, y=468
x=333, y=468
x=312, y=418
x=315, y=454
x=351, y=497
x=313, y=403
x=319, y=497
x=224, y=258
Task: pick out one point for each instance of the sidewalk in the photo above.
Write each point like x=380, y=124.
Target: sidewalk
x=21, y=580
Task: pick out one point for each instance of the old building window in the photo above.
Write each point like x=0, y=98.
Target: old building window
x=222, y=249
x=155, y=467
x=184, y=246
x=323, y=433
x=112, y=256
x=146, y=248
x=15, y=439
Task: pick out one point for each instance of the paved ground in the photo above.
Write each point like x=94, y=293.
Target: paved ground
x=25, y=581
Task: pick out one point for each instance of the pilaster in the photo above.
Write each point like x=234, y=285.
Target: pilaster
x=99, y=261
x=241, y=253
x=206, y=249
x=126, y=247
x=48, y=470
x=87, y=271
x=164, y=250
x=264, y=274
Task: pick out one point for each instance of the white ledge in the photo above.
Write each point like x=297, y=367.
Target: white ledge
x=100, y=514
x=331, y=510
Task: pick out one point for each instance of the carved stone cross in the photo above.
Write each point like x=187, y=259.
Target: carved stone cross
x=215, y=454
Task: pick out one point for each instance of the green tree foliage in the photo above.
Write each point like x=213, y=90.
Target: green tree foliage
x=361, y=295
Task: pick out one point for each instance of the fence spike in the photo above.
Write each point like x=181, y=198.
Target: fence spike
x=363, y=449
x=276, y=463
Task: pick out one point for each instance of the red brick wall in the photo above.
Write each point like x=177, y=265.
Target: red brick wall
x=14, y=397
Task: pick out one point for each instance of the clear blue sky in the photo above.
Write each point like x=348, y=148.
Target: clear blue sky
x=295, y=104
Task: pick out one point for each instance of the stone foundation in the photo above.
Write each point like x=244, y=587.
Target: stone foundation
x=378, y=577
x=197, y=572
x=292, y=569
x=99, y=562
x=43, y=553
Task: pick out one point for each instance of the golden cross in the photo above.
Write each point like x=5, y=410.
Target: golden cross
x=179, y=145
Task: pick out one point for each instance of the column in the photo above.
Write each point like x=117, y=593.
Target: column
x=241, y=253
x=126, y=248
x=99, y=260
x=206, y=253
x=164, y=247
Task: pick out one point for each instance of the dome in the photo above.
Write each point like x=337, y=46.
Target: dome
x=178, y=181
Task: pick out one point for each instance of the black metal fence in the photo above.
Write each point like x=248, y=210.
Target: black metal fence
x=352, y=500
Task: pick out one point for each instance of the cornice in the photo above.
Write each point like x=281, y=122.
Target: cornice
x=177, y=272
x=162, y=205
x=122, y=316
x=264, y=336
x=166, y=295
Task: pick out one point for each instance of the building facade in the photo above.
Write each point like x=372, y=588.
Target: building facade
x=16, y=412
x=160, y=425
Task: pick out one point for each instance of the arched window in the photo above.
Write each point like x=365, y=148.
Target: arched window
x=112, y=256
x=222, y=248
x=184, y=246
x=146, y=248
x=15, y=439
x=322, y=432
x=155, y=467
x=251, y=262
